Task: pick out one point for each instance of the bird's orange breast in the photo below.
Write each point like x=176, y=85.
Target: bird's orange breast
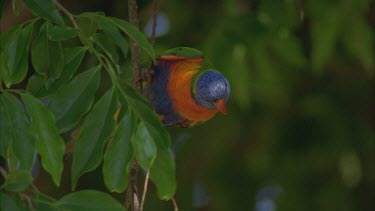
x=179, y=88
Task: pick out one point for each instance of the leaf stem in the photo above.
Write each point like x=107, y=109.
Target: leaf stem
x=67, y=13
x=144, y=190
x=174, y=204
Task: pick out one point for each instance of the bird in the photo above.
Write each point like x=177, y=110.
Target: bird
x=185, y=89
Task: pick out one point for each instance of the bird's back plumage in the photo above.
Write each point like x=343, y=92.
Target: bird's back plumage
x=171, y=91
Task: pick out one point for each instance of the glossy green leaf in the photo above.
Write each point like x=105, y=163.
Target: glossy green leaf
x=22, y=138
x=45, y=9
x=47, y=56
x=106, y=45
x=110, y=30
x=74, y=99
x=144, y=146
x=72, y=58
x=98, y=125
x=35, y=84
x=136, y=35
x=87, y=24
x=88, y=200
x=18, y=181
x=145, y=112
x=8, y=202
x=59, y=33
x=48, y=143
x=14, y=56
x=5, y=127
x=162, y=173
x=119, y=154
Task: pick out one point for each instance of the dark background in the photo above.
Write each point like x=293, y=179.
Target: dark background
x=299, y=134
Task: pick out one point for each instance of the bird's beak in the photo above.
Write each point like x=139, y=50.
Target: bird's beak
x=220, y=105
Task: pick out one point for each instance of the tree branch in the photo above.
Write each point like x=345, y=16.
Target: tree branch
x=131, y=199
x=135, y=51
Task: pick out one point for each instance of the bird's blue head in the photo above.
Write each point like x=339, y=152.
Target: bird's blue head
x=212, y=90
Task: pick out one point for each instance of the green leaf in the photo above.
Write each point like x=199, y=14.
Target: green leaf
x=144, y=146
x=106, y=46
x=88, y=200
x=22, y=139
x=110, y=30
x=72, y=58
x=136, y=35
x=45, y=9
x=16, y=10
x=49, y=143
x=162, y=173
x=326, y=22
x=87, y=24
x=184, y=52
x=359, y=40
x=5, y=128
x=42, y=202
x=35, y=84
x=7, y=202
x=18, y=181
x=47, y=56
x=14, y=57
x=98, y=125
x=74, y=99
x=145, y=112
x=119, y=154
x=59, y=33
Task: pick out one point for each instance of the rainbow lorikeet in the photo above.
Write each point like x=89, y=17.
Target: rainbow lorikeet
x=185, y=89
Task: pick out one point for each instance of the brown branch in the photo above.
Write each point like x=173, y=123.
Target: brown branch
x=136, y=67
x=131, y=199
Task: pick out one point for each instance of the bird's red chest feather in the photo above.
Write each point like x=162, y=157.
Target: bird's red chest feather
x=179, y=88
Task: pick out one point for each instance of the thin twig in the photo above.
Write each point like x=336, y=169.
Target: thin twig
x=27, y=199
x=174, y=204
x=154, y=20
x=67, y=13
x=144, y=190
x=3, y=171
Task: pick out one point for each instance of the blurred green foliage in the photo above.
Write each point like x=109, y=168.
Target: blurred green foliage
x=300, y=128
